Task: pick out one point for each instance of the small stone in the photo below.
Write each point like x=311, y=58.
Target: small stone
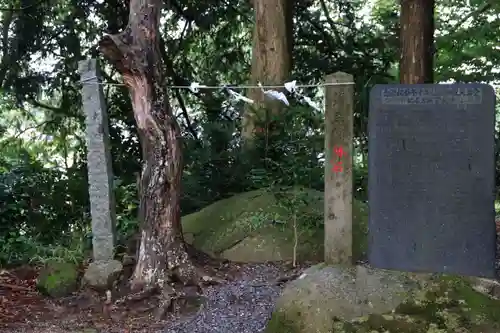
x=102, y=274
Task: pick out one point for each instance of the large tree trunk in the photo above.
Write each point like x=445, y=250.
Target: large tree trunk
x=136, y=54
x=271, y=57
x=417, y=41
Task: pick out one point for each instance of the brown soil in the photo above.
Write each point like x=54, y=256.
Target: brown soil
x=24, y=309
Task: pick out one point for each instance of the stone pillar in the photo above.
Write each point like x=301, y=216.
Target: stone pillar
x=102, y=201
x=338, y=169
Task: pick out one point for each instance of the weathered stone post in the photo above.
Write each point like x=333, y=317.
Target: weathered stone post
x=103, y=269
x=338, y=169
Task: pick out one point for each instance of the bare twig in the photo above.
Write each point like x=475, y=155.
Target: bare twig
x=15, y=287
x=295, y=240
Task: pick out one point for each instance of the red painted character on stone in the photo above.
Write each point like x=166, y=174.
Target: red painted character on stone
x=337, y=165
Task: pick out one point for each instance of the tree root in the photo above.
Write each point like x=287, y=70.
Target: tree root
x=191, y=274
x=172, y=299
x=138, y=296
x=176, y=294
x=167, y=298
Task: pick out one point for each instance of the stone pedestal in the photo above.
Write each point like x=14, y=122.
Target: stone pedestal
x=102, y=274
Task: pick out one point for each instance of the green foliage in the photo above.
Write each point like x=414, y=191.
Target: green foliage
x=127, y=205
x=289, y=151
x=18, y=249
x=295, y=203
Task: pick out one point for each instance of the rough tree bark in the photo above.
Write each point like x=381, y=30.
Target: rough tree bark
x=417, y=41
x=271, y=56
x=136, y=54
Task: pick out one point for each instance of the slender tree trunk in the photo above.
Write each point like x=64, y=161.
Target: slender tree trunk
x=136, y=54
x=8, y=18
x=417, y=41
x=271, y=57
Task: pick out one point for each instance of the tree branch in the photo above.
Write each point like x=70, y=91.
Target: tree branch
x=484, y=7
x=177, y=8
x=322, y=31
x=11, y=9
x=4, y=65
x=177, y=81
x=44, y=106
x=330, y=21
x=185, y=30
x=185, y=114
x=6, y=143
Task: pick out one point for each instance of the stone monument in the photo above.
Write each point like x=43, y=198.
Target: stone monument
x=104, y=269
x=431, y=178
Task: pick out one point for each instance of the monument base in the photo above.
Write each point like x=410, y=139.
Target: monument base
x=102, y=274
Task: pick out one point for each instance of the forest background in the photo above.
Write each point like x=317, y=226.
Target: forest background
x=44, y=204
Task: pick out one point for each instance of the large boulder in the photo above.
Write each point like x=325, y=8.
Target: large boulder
x=360, y=299
x=255, y=227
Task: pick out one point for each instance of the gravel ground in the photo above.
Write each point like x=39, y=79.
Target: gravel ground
x=243, y=305
x=240, y=306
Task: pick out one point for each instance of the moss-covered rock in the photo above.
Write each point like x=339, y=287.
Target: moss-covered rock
x=255, y=227
x=365, y=300
x=58, y=279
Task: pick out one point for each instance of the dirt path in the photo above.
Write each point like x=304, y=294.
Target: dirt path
x=243, y=304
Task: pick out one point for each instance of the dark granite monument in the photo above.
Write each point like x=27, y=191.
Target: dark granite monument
x=431, y=178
